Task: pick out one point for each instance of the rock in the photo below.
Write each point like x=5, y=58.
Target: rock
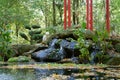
x=25, y=49
x=54, y=43
x=57, y=50
x=19, y=59
x=35, y=26
x=75, y=60
x=50, y=54
x=114, y=61
x=63, y=35
x=27, y=27
x=70, y=48
x=24, y=36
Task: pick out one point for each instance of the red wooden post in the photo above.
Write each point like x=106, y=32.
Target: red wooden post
x=69, y=13
x=89, y=14
x=107, y=16
x=87, y=11
x=65, y=14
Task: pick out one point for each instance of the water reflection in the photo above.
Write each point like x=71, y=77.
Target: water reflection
x=19, y=74
x=57, y=74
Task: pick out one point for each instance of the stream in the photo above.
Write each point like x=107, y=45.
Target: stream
x=57, y=71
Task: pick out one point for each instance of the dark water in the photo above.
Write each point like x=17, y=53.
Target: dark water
x=42, y=74
x=59, y=74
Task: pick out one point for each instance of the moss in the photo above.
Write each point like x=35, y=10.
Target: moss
x=114, y=61
x=19, y=59
x=117, y=47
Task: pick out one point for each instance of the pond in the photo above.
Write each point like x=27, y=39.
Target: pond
x=56, y=71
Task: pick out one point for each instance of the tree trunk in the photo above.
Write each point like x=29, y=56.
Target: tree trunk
x=46, y=19
x=17, y=29
x=54, y=14
x=77, y=15
x=74, y=12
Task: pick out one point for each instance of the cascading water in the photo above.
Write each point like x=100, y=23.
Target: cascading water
x=93, y=54
x=62, y=52
x=96, y=50
x=53, y=43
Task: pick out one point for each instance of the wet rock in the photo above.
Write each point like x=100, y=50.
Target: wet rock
x=19, y=59
x=49, y=55
x=75, y=60
x=54, y=43
x=57, y=50
x=70, y=48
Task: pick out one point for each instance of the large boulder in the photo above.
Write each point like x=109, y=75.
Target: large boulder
x=57, y=50
x=49, y=55
x=70, y=48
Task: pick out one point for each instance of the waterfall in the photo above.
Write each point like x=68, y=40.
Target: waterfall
x=53, y=43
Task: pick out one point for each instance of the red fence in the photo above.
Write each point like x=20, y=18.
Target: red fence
x=89, y=14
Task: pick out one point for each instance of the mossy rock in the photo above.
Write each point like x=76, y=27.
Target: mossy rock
x=34, y=32
x=114, y=61
x=19, y=59
x=24, y=36
x=28, y=27
x=37, y=37
x=35, y=26
x=117, y=47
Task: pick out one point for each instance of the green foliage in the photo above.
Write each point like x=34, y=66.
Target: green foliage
x=100, y=35
x=115, y=16
x=99, y=39
x=5, y=42
x=82, y=44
